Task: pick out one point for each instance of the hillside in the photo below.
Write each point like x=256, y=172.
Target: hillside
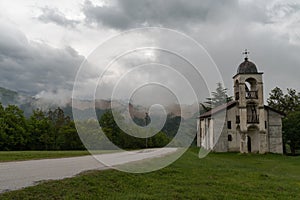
x=8, y=97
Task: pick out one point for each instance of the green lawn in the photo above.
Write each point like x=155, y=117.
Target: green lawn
x=218, y=176
x=6, y=156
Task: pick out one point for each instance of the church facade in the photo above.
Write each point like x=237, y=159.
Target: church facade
x=250, y=126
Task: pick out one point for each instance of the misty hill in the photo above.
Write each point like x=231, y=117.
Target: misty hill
x=9, y=97
x=28, y=103
x=15, y=98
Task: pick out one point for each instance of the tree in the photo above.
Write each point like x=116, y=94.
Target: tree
x=42, y=131
x=68, y=138
x=15, y=128
x=90, y=135
x=3, y=128
x=160, y=140
x=124, y=140
x=291, y=127
x=57, y=120
x=171, y=125
x=219, y=97
x=285, y=103
x=39, y=129
x=110, y=128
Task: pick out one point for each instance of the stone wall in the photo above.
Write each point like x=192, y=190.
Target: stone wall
x=234, y=144
x=222, y=142
x=274, y=126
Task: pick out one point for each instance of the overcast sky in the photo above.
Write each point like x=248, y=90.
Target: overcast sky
x=43, y=43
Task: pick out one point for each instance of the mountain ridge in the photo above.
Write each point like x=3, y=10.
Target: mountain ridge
x=28, y=103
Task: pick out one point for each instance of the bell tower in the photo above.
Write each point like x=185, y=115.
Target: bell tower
x=248, y=92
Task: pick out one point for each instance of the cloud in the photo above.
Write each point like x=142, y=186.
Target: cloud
x=182, y=15
x=269, y=29
x=123, y=14
x=53, y=15
x=33, y=67
x=48, y=99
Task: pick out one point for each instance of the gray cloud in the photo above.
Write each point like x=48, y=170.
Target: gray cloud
x=53, y=15
x=123, y=14
x=33, y=67
x=269, y=29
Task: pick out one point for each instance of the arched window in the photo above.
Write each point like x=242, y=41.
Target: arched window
x=229, y=138
x=251, y=88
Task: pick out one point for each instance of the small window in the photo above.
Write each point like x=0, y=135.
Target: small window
x=265, y=124
x=229, y=138
x=237, y=119
x=229, y=124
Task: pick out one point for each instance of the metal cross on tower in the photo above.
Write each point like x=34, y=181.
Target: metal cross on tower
x=246, y=53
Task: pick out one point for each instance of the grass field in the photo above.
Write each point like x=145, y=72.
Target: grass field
x=218, y=176
x=6, y=156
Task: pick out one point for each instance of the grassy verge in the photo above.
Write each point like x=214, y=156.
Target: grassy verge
x=218, y=176
x=6, y=156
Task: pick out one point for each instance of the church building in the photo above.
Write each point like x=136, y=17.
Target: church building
x=250, y=126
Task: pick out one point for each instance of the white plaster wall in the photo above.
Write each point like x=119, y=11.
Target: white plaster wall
x=220, y=136
x=275, y=132
x=233, y=145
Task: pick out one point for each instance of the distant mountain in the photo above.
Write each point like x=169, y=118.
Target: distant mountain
x=8, y=97
x=28, y=103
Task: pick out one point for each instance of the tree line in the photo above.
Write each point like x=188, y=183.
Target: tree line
x=124, y=140
x=53, y=130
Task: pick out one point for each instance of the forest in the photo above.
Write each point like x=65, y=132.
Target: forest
x=53, y=130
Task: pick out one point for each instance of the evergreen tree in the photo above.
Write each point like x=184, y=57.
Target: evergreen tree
x=218, y=97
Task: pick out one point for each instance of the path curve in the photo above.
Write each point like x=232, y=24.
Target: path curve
x=20, y=174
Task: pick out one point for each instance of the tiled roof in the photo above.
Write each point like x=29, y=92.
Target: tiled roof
x=218, y=109
x=274, y=110
x=230, y=105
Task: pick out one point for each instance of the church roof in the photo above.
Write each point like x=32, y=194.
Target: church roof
x=247, y=67
x=230, y=105
x=218, y=109
x=274, y=110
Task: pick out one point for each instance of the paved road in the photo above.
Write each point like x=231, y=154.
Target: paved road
x=16, y=175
